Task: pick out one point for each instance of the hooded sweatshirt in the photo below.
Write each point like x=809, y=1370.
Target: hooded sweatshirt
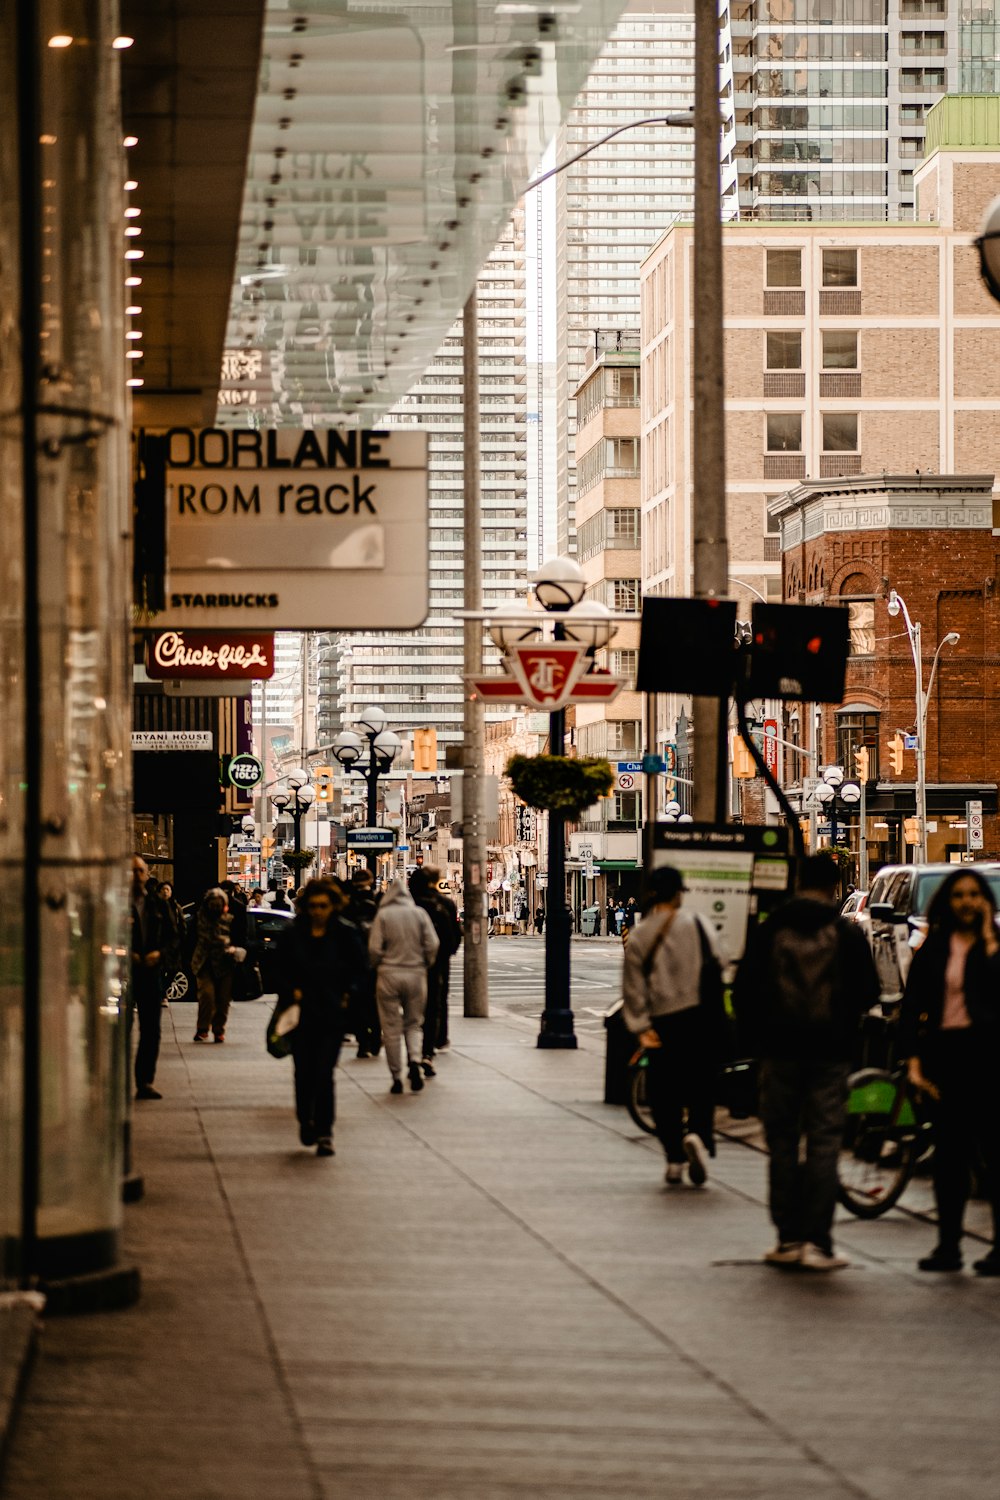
x=210, y=952
x=402, y=936
x=822, y=1026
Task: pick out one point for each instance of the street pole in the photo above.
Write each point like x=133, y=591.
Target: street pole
x=863, y=837
x=711, y=551
x=476, y=993
x=556, y=1029
x=649, y=790
x=916, y=644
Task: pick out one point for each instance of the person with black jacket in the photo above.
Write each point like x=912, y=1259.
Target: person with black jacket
x=673, y=1002
x=322, y=963
x=443, y=913
x=362, y=910
x=146, y=990
x=949, y=1033
x=803, y=985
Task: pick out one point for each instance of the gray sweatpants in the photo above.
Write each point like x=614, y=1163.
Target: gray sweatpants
x=401, y=995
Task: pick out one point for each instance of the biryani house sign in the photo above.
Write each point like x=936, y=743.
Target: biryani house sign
x=282, y=529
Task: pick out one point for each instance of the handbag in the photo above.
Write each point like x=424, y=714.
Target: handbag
x=248, y=982
x=281, y=1029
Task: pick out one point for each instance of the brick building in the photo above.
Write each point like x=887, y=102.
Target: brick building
x=931, y=539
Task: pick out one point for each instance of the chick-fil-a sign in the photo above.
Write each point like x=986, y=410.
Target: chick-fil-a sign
x=209, y=654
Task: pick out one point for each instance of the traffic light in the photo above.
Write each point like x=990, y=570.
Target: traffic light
x=266, y=848
x=425, y=749
x=911, y=830
x=861, y=759
x=744, y=766
x=322, y=777
x=896, y=753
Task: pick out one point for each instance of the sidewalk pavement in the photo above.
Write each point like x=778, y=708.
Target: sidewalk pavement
x=485, y=1295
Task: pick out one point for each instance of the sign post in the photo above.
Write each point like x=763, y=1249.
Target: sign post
x=973, y=825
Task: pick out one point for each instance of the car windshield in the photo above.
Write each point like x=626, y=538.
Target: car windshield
x=928, y=884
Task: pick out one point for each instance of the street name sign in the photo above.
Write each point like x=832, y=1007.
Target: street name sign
x=370, y=838
x=315, y=529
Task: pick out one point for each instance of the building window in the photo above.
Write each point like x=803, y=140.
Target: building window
x=840, y=349
x=857, y=726
x=625, y=593
x=784, y=432
x=784, y=268
x=840, y=268
x=783, y=350
x=840, y=432
x=623, y=734
x=625, y=664
x=626, y=808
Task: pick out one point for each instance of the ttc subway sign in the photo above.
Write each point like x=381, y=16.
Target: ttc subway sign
x=295, y=530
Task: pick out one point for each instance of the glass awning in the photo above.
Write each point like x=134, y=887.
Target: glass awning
x=389, y=147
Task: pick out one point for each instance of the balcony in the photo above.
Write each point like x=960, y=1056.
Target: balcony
x=784, y=383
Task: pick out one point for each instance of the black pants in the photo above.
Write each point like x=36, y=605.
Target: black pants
x=315, y=1057
x=682, y=1073
x=367, y=1030
x=147, y=997
x=966, y=1129
x=436, y=1013
x=803, y=1098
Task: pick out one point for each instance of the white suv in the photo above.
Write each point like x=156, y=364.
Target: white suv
x=895, y=916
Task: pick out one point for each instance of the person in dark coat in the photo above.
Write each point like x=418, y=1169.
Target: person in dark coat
x=362, y=910
x=322, y=963
x=237, y=902
x=146, y=992
x=173, y=933
x=949, y=1032
x=539, y=919
x=804, y=983
x=443, y=913
x=212, y=964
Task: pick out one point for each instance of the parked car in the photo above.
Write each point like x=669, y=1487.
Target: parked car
x=265, y=924
x=895, y=917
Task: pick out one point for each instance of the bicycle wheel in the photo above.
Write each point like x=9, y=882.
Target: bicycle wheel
x=638, y=1106
x=876, y=1162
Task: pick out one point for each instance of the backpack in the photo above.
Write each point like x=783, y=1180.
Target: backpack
x=805, y=974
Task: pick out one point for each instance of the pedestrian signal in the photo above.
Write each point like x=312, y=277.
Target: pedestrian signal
x=425, y=749
x=896, y=753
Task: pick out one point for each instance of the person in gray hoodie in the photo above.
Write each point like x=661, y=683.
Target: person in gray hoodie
x=402, y=945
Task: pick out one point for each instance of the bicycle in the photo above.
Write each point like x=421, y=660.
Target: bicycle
x=636, y=1101
x=737, y=1089
x=888, y=1132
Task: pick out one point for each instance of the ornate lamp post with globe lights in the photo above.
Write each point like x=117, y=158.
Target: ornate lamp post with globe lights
x=296, y=800
x=383, y=745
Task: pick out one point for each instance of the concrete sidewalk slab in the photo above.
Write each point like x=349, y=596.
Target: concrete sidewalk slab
x=487, y=1293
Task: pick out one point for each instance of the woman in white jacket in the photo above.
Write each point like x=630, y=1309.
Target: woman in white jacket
x=402, y=946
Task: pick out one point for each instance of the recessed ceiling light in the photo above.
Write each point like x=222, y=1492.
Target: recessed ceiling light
x=133, y=353
x=132, y=309
x=135, y=380
x=134, y=254
x=121, y=42
x=133, y=281
x=132, y=213
x=61, y=40
x=133, y=333
x=132, y=231
x=131, y=140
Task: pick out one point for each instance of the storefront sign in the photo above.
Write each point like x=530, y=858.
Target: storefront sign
x=245, y=771
x=207, y=654
x=172, y=739
x=296, y=530
x=771, y=745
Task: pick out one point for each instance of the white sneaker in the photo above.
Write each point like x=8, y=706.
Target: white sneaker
x=674, y=1175
x=785, y=1253
x=812, y=1258
x=698, y=1159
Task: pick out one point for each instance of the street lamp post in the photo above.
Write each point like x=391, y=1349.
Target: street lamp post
x=897, y=606
x=383, y=747
x=831, y=789
x=297, y=801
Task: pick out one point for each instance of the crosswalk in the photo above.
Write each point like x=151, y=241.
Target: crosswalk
x=520, y=988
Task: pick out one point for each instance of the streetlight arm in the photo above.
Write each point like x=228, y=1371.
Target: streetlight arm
x=681, y=121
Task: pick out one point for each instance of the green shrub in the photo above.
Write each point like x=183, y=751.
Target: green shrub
x=558, y=783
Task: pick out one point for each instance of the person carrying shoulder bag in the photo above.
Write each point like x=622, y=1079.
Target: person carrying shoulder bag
x=674, y=1004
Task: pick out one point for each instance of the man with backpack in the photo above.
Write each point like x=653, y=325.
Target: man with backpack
x=426, y=892
x=805, y=982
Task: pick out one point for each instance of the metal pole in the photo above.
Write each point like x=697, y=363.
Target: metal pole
x=916, y=643
x=557, y=1018
x=476, y=992
x=863, y=837
x=371, y=818
x=650, y=789
x=711, y=551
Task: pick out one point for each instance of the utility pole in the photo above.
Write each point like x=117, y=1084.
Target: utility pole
x=476, y=993
x=711, y=550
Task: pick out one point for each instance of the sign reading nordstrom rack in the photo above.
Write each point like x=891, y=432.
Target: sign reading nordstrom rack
x=296, y=530
x=209, y=654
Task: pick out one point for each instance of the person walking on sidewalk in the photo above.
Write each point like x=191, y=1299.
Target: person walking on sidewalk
x=361, y=910
x=950, y=1033
x=402, y=947
x=804, y=983
x=322, y=964
x=146, y=992
x=424, y=884
x=212, y=965
x=672, y=987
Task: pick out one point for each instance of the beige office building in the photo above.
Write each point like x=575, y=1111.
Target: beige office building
x=850, y=349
